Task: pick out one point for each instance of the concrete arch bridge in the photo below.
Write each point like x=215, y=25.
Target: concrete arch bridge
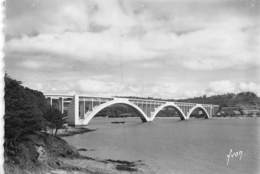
x=81, y=109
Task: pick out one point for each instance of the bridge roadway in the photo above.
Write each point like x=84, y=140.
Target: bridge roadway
x=81, y=109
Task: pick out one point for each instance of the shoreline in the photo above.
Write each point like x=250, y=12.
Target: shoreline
x=73, y=130
x=85, y=164
x=240, y=117
x=228, y=117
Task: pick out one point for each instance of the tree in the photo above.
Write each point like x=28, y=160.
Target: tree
x=24, y=109
x=244, y=98
x=55, y=119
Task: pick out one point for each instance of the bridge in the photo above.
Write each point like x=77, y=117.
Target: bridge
x=80, y=109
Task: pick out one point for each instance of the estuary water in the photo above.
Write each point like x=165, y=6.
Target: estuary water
x=170, y=146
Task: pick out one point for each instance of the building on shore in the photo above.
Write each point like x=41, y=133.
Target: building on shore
x=243, y=110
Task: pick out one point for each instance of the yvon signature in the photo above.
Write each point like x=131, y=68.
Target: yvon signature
x=236, y=155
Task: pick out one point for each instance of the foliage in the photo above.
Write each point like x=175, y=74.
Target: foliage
x=118, y=110
x=55, y=119
x=24, y=109
x=230, y=99
x=244, y=98
x=26, y=112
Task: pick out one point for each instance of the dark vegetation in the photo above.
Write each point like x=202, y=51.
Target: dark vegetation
x=241, y=104
x=27, y=119
x=122, y=110
x=31, y=144
x=243, y=98
x=168, y=112
x=229, y=99
x=31, y=126
x=246, y=104
x=118, y=110
x=55, y=119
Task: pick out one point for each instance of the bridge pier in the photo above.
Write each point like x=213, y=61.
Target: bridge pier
x=73, y=112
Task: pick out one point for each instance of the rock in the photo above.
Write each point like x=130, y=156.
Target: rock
x=42, y=153
x=40, y=150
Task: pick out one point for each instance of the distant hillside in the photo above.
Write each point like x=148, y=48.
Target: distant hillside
x=240, y=99
x=245, y=102
x=229, y=99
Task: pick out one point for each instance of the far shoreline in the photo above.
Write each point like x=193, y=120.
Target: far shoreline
x=71, y=130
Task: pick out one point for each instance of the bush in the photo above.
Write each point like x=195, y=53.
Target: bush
x=24, y=109
x=26, y=112
x=27, y=115
x=55, y=119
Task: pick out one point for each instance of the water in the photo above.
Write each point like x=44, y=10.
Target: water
x=172, y=146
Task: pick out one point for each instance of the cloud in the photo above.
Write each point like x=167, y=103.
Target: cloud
x=221, y=87
x=25, y=17
x=31, y=64
x=226, y=86
x=101, y=86
x=97, y=87
x=110, y=13
x=250, y=86
x=217, y=47
x=164, y=49
x=83, y=46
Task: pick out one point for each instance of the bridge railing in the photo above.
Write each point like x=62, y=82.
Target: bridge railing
x=129, y=98
x=164, y=101
x=81, y=105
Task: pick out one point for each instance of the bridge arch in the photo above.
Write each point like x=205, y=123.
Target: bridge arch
x=169, y=104
x=90, y=115
x=198, y=106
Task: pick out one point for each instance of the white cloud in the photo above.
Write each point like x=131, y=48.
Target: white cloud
x=30, y=64
x=96, y=87
x=250, y=86
x=221, y=87
x=99, y=87
x=192, y=93
x=226, y=86
x=110, y=13
x=218, y=47
x=106, y=88
x=90, y=32
x=83, y=46
x=28, y=16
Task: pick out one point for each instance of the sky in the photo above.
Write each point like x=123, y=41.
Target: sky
x=156, y=48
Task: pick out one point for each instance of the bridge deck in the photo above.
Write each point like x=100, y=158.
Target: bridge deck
x=82, y=108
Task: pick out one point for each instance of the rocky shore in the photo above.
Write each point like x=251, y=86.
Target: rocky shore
x=41, y=153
